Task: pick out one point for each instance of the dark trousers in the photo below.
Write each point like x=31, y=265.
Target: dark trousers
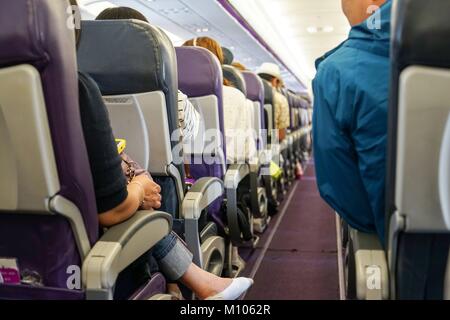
x=421, y=266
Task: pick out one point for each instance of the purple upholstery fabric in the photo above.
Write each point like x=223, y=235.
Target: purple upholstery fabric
x=255, y=91
x=35, y=32
x=200, y=75
x=255, y=87
x=156, y=285
x=24, y=292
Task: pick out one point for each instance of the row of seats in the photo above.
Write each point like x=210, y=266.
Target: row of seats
x=48, y=218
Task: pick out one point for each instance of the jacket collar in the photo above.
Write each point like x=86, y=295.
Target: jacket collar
x=365, y=37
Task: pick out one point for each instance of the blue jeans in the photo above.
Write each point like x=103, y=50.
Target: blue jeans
x=171, y=253
x=169, y=256
x=172, y=256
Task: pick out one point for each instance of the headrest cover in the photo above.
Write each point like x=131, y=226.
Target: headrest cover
x=200, y=75
x=422, y=30
x=268, y=92
x=297, y=102
x=126, y=56
x=199, y=72
x=235, y=77
x=291, y=99
x=255, y=87
x=228, y=56
x=303, y=103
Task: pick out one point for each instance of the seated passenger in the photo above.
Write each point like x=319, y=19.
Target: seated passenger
x=239, y=66
x=238, y=120
x=189, y=119
x=350, y=119
x=271, y=72
x=119, y=195
x=228, y=56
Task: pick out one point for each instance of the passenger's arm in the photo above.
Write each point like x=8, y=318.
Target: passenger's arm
x=336, y=161
x=152, y=199
x=282, y=134
x=370, y=139
x=116, y=201
x=280, y=115
x=126, y=209
x=143, y=193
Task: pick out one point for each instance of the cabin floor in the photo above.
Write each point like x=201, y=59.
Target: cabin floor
x=296, y=258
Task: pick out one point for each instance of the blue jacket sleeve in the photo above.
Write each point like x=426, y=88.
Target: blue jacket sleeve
x=369, y=133
x=336, y=160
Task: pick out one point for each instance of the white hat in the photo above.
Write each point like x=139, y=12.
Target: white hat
x=271, y=69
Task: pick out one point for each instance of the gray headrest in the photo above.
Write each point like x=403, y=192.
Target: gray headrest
x=233, y=75
x=127, y=56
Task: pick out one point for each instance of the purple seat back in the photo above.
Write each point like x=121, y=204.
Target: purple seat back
x=255, y=91
x=35, y=32
x=200, y=75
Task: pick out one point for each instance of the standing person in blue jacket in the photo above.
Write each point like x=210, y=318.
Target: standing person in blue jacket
x=350, y=117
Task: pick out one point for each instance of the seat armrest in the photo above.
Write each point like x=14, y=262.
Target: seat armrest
x=235, y=174
x=255, y=164
x=372, y=275
x=203, y=193
x=120, y=246
x=265, y=157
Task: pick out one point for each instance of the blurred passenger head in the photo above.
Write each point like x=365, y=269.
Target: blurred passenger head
x=272, y=73
x=228, y=56
x=357, y=11
x=207, y=43
x=239, y=66
x=121, y=13
x=213, y=46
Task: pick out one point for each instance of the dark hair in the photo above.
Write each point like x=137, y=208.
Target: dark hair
x=74, y=3
x=121, y=13
x=267, y=77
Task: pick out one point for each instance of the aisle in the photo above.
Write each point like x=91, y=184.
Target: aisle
x=297, y=257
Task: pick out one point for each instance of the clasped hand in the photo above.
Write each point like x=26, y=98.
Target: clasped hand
x=152, y=191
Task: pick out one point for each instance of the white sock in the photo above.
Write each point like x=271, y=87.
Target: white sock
x=236, y=289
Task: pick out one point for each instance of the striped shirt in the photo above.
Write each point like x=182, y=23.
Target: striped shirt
x=188, y=118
